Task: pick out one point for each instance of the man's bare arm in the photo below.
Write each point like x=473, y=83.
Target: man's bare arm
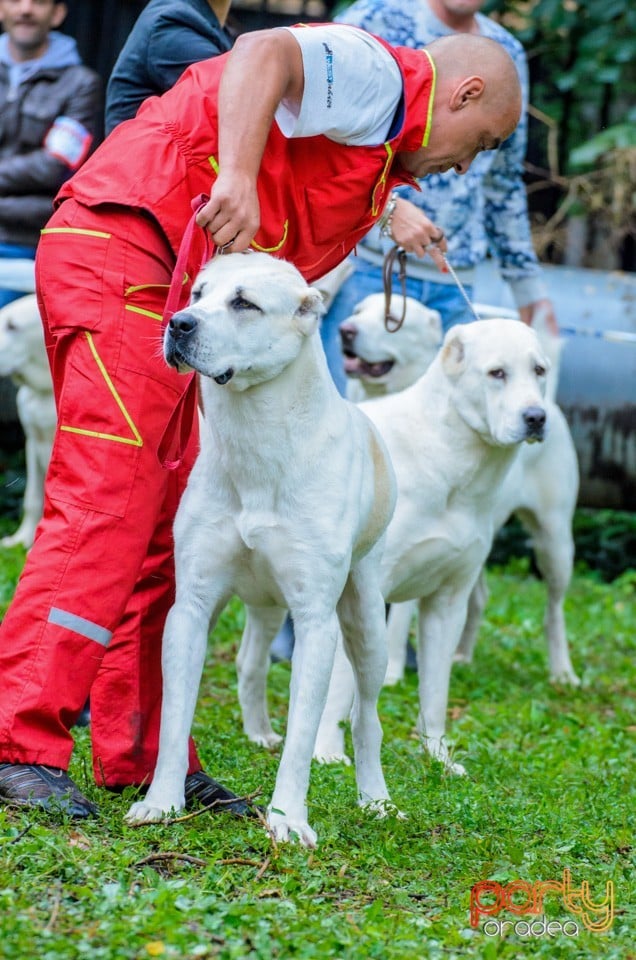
x=264, y=69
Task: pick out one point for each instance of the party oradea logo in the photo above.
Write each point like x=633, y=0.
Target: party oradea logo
x=489, y=899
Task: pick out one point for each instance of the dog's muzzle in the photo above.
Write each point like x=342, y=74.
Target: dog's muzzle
x=534, y=419
x=356, y=366
x=178, y=338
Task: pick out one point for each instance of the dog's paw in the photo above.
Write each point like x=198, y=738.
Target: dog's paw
x=268, y=740
x=461, y=657
x=17, y=540
x=565, y=677
x=439, y=751
x=381, y=809
x=331, y=756
x=286, y=829
x=144, y=811
x=393, y=676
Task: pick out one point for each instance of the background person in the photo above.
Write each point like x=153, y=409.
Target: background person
x=50, y=112
x=99, y=579
x=168, y=36
x=485, y=211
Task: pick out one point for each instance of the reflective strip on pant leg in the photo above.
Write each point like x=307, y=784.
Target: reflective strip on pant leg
x=79, y=625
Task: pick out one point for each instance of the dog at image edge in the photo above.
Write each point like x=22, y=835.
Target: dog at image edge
x=23, y=358
x=286, y=507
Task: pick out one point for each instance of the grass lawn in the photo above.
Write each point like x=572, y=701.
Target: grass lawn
x=550, y=787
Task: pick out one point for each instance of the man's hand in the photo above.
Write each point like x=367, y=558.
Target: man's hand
x=232, y=215
x=414, y=232
x=542, y=311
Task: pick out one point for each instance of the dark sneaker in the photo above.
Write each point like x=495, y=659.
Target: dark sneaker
x=206, y=791
x=34, y=785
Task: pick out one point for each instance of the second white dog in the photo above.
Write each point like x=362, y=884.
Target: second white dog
x=23, y=358
x=541, y=487
x=286, y=507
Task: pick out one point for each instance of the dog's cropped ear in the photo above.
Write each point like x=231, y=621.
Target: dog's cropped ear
x=309, y=312
x=453, y=352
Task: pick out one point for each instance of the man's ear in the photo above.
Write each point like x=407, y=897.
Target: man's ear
x=59, y=15
x=471, y=88
x=453, y=352
x=309, y=312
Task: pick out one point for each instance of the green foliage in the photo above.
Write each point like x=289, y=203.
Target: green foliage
x=582, y=59
x=549, y=787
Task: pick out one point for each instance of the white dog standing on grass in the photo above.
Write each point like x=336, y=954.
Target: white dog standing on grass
x=23, y=358
x=452, y=436
x=540, y=488
x=286, y=507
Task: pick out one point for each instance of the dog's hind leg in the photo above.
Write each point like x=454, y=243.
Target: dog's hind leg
x=554, y=551
x=476, y=606
x=440, y=624
x=362, y=616
x=330, y=739
x=398, y=628
x=252, y=663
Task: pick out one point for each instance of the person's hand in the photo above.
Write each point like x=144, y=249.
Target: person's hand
x=232, y=215
x=412, y=230
x=542, y=311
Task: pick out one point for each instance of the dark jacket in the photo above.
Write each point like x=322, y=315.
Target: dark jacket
x=30, y=175
x=168, y=36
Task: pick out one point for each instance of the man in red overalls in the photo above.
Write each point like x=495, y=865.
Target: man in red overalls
x=353, y=118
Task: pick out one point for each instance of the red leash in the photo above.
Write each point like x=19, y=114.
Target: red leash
x=175, y=437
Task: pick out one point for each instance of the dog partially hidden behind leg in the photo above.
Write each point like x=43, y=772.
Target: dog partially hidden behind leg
x=23, y=358
x=286, y=507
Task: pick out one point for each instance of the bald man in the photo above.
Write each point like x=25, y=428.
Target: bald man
x=298, y=136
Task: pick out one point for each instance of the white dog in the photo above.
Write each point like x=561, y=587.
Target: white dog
x=452, y=436
x=286, y=507
x=541, y=487
x=23, y=358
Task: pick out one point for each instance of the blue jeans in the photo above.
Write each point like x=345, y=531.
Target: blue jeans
x=13, y=251
x=366, y=279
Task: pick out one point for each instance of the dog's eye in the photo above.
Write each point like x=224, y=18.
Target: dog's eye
x=497, y=374
x=11, y=326
x=240, y=303
x=539, y=370
x=195, y=296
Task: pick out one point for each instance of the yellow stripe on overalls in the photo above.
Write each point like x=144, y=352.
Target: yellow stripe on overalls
x=135, y=440
x=84, y=233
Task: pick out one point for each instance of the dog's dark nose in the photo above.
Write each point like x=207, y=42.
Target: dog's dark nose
x=348, y=332
x=182, y=324
x=534, y=419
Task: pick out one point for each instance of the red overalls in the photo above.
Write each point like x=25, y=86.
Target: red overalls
x=90, y=606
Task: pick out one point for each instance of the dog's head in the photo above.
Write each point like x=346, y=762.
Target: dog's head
x=387, y=362
x=497, y=370
x=248, y=317
x=21, y=337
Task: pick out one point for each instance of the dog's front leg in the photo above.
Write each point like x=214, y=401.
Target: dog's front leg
x=183, y=655
x=441, y=620
x=314, y=650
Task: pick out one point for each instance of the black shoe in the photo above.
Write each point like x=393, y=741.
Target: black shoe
x=34, y=785
x=206, y=791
